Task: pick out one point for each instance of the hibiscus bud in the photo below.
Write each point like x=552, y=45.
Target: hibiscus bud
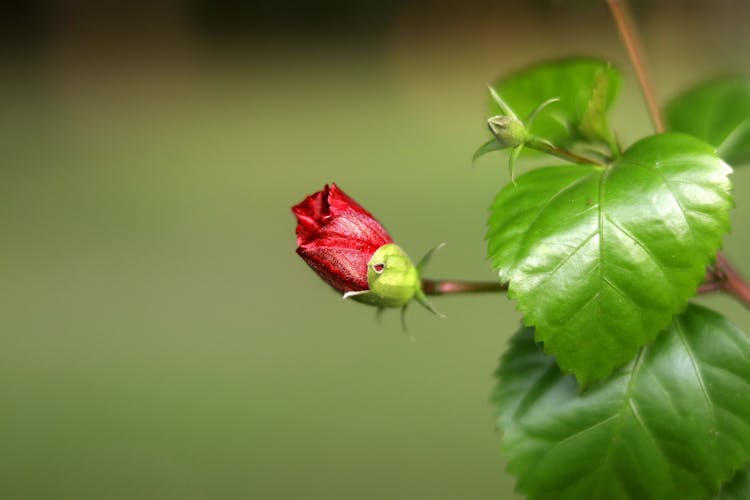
x=350, y=250
x=508, y=130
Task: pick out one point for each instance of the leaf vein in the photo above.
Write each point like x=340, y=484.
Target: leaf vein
x=637, y=414
x=585, y=430
x=544, y=207
x=584, y=307
x=696, y=368
x=667, y=185
x=626, y=398
x=643, y=247
x=568, y=257
x=622, y=294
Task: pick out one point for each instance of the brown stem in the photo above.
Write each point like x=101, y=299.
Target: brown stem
x=730, y=280
x=721, y=277
x=710, y=285
x=448, y=287
x=633, y=45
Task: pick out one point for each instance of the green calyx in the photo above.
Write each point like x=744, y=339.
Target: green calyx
x=394, y=280
x=392, y=276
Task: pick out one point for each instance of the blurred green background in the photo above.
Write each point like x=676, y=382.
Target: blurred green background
x=159, y=338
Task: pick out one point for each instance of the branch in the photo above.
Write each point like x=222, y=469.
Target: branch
x=721, y=277
x=449, y=287
x=551, y=149
x=633, y=45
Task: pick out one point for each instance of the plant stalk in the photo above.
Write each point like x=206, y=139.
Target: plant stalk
x=722, y=277
x=725, y=278
x=450, y=287
x=633, y=45
x=551, y=149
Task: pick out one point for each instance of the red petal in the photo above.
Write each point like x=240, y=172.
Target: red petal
x=336, y=236
x=343, y=269
x=339, y=202
x=311, y=214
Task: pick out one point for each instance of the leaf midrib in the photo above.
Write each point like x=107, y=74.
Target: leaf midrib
x=627, y=397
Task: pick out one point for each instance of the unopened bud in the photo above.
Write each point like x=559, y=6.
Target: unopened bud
x=352, y=252
x=508, y=130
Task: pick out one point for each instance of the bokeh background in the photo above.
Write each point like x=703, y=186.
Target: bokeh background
x=159, y=338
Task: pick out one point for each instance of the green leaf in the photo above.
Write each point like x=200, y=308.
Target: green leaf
x=600, y=258
x=738, y=488
x=586, y=89
x=717, y=112
x=672, y=424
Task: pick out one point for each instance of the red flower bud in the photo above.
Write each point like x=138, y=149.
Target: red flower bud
x=337, y=238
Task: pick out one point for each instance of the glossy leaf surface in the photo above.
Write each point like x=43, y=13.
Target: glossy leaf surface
x=717, y=112
x=600, y=258
x=674, y=423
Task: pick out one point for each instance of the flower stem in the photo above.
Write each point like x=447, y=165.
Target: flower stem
x=633, y=45
x=551, y=149
x=450, y=287
x=723, y=277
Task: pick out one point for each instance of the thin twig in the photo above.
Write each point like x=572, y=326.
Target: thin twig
x=551, y=149
x=448, y=287
x=633, y=45
x=721, y=277
x=730, y=280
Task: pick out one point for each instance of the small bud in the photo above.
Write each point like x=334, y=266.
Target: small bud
x=508, y=130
